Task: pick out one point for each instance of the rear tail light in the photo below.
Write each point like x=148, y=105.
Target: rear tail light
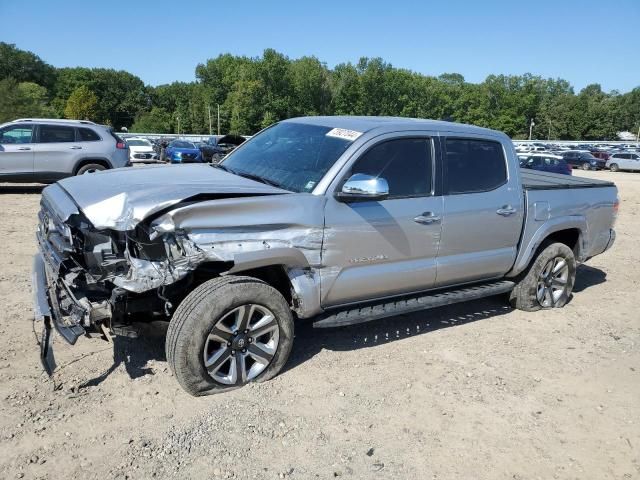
x=616, y=206
x=121, y=145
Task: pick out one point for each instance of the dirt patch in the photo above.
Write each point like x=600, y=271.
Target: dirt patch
x=471, y=391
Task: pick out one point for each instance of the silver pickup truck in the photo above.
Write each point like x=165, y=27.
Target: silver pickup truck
x=338, y=220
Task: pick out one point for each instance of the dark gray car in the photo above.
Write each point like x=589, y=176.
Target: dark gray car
x=46, y=150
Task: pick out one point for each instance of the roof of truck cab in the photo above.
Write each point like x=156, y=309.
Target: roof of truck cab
x=365, y=124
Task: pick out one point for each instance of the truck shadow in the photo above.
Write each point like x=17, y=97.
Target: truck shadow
x=135, y=353
x=587, y=277
x=310, y=341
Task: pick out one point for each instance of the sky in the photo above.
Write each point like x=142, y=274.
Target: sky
x=162, y=41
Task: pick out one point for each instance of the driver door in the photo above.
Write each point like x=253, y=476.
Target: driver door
x=16, y=151
x=378, y=248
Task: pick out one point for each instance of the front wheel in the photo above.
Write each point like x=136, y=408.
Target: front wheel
x=549, y=280
x=614, y=167
x=228, y=332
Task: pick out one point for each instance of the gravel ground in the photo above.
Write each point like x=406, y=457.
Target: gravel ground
x=475, y=390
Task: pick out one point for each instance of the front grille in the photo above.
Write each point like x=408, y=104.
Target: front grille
x=142, y=155
x=53, y=237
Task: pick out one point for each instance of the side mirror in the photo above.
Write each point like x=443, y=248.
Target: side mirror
x=363, y=187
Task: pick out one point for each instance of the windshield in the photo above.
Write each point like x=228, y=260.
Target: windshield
x=182, y=145
x=138, y=143
x=293, y=156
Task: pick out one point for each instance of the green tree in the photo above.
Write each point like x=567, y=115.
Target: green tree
x=25, y=66
x=82, y=104
x=25, y=99
x=158, y=120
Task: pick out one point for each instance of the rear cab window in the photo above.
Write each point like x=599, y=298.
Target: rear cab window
x=473, y=165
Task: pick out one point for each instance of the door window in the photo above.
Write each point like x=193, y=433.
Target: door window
x=405, y=163
x=16, y=134
x=57, y=134
x=473, y=166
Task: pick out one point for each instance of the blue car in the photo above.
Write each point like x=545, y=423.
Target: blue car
x=180, y=151
x=546, y=162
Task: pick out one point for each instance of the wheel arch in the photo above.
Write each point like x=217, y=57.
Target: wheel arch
x=570, y=231
x=86, y=161
x=288, y=271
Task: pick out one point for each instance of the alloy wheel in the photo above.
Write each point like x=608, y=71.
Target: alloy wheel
x=552, y=282
x=241, y=344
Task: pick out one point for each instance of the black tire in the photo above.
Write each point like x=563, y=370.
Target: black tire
x=525, y=295
x=202, y=309
x=90, y=168
x=586, y=166
x=614, y=167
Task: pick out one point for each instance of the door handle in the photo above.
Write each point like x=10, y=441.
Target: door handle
x=506, y=210
x=75, y=147
x=427, y=218
x=24, y=148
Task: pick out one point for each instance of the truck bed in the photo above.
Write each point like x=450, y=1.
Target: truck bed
x=535, y=180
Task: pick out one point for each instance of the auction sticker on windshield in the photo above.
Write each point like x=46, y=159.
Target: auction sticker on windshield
x=350, y=135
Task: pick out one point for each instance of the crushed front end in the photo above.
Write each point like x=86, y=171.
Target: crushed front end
x=75, y=276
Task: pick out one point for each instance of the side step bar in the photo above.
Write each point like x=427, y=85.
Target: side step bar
x=409, y=304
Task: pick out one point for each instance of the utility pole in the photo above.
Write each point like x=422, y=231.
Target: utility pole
x=638, y=136
x=218, y=119
x=531, y=128
x=210, y=128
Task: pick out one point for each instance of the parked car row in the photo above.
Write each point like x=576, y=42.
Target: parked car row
x=587, y=156
x=176, y=150
x=48, y=149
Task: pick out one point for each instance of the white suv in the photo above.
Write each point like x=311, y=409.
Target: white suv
x=45, y=150
x=624, y=161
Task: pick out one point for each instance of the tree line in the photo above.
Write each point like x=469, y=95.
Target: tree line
x=252, y=93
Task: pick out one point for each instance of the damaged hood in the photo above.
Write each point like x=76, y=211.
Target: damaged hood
x=119, y=199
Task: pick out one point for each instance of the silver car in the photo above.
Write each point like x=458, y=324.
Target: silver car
x=624, y=161
x=46, y=150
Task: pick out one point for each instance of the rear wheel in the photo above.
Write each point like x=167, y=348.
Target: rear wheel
x=90, y=168
x=586, y=166
x=228, y=332
x=549, y=280
x=614, y=167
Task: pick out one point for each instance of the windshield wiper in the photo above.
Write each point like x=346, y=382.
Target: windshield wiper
x=248, y=175
x=222, y=167
x=257, y=178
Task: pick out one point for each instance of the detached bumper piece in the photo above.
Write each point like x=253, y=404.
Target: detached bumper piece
x=48, y=312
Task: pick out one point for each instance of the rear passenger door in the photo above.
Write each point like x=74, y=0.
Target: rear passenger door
x=482, y=211
x=56, y=152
